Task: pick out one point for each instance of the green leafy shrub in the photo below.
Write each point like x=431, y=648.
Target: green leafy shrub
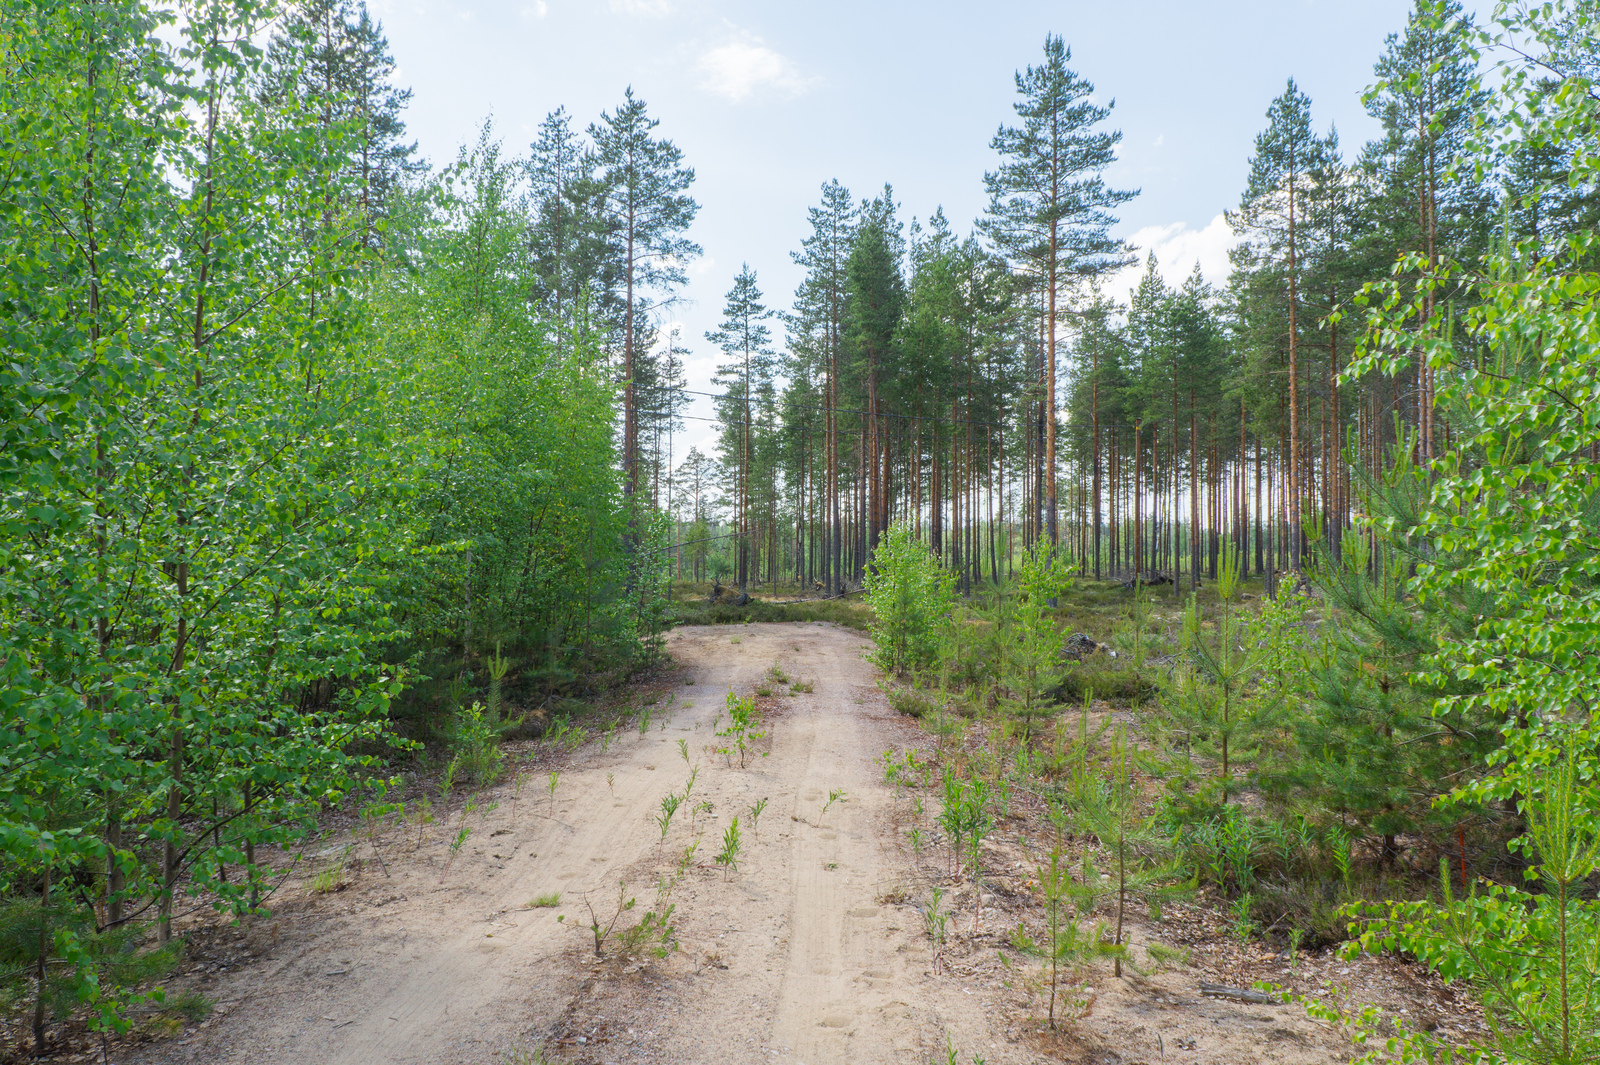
x=912, y=597
x=743, y=720
x=477, y=741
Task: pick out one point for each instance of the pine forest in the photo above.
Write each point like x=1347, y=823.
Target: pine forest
x=1220, y=637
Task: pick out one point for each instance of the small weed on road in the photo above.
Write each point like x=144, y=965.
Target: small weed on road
x=728, y=857
x=833, y=797
x=669, y=806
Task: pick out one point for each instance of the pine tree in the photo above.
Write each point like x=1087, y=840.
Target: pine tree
x=1214, y=706
x=1200, y=359
x=816, y=334
x=932, y=354
x=876, y=301
x=1150, y=364
x=1371, y=747
x=1101, y=355
x=1331, y=278
x=1030, y=639
x=1268, y=264
x=1049, y=204
x=647, y=209
x=746, y=380
x=1428, y=90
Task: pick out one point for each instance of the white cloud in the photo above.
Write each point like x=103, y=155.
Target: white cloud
x=1177, y=248
x=744, y=66
x=642, y=8
x=1161, y=138
x=538, y=9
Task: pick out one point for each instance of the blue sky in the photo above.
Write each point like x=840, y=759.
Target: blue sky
x=769, y=100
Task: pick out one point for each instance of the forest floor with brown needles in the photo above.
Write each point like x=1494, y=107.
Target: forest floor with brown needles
x=814, y=950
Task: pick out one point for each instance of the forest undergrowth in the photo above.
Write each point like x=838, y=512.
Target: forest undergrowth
x=1289, y=764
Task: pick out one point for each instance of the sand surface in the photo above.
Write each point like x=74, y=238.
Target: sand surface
x=813, y=952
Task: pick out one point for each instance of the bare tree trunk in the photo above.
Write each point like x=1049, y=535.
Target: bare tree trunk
x=1138, y=530
x=630, y=423
x=1242, y=527
x=1194, y=497
x=871, y=456
x=41, y=970
x=1050, y=386
x=1294, y=379
x=1113, y=510
x=1095, y=407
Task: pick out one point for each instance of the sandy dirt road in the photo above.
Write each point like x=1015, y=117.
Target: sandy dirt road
x=813, y=952
x=425, y=966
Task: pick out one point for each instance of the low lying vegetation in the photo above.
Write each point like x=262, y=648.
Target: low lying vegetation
x=851, y=614
x=1398, y=757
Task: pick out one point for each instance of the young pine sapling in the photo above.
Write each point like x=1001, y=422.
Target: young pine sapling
x=1145, y=866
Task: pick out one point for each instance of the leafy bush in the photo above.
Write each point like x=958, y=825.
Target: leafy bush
x=477, y=746
x=912, y=596
x=743, y=720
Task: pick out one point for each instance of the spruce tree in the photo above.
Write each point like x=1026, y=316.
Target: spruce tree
x=331, y=59
x=660, y=393
x=695, y=476
x=573, y=278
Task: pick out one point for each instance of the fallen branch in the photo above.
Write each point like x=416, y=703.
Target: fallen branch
x=1255, y=998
